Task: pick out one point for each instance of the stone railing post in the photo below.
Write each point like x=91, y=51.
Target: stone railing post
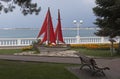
x=78, y=39
x=102, y=39
x=18, y=42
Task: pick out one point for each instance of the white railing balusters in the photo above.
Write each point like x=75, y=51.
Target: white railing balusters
x=68, y=40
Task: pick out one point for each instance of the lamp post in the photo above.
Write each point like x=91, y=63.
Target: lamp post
x=78, y=28
x=78, y=25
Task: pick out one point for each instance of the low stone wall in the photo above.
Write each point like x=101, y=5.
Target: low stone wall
x=52, y=49
x=67, y=53
x=11, y=47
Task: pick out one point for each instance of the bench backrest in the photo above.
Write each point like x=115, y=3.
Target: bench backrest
x=87, y=60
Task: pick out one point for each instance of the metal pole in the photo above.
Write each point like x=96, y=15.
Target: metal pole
x=78, y=28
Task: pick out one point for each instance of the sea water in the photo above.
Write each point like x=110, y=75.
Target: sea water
x=32, y=33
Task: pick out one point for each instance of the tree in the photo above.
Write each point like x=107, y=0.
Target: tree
x=26, y=6
x=108, y=19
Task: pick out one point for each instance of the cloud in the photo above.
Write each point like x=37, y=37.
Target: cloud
x=70, y=10
x=90, y=2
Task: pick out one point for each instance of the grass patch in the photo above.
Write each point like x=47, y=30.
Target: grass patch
x=9, y=51
x=30, y=70
x=95, y=52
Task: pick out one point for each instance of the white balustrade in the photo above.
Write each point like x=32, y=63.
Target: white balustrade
x=16, y=41
x=68, y=40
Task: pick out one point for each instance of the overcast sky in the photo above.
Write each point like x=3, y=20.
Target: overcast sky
x=69, y=9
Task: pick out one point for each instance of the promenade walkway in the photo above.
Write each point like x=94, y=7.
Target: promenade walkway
x=73, y=60
x=113, y=73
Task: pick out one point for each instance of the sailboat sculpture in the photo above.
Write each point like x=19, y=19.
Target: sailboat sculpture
x=47, y=30
x=58, y=31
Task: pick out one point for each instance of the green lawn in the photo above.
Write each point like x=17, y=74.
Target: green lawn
x=90, y=52
x=10, y=51
x=95, y=52
x=31, y=70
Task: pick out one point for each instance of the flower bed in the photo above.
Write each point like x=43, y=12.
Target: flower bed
x=26, y=48
x=94, y=46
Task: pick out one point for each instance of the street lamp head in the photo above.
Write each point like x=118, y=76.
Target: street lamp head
x=74, y=21
x=78, y=27
x=81, y=21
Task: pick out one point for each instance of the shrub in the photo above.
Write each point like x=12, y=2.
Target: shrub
x=35, y=46
x=32, y=47
x=26, y=48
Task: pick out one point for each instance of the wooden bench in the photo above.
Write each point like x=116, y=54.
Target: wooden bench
x=91, y=63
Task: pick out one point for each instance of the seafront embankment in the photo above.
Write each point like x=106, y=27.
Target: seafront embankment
x=4, y=42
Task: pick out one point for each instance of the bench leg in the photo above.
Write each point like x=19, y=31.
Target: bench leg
x=97, y=71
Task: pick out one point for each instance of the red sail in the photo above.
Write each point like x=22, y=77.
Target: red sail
x=47, y=28
x=51, y=30
x=44, y=38
x=44, y=26
x=58, y=32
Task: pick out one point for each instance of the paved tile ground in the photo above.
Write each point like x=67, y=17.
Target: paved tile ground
x=113, y=73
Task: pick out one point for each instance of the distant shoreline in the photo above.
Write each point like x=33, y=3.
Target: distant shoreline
x=65, y=28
